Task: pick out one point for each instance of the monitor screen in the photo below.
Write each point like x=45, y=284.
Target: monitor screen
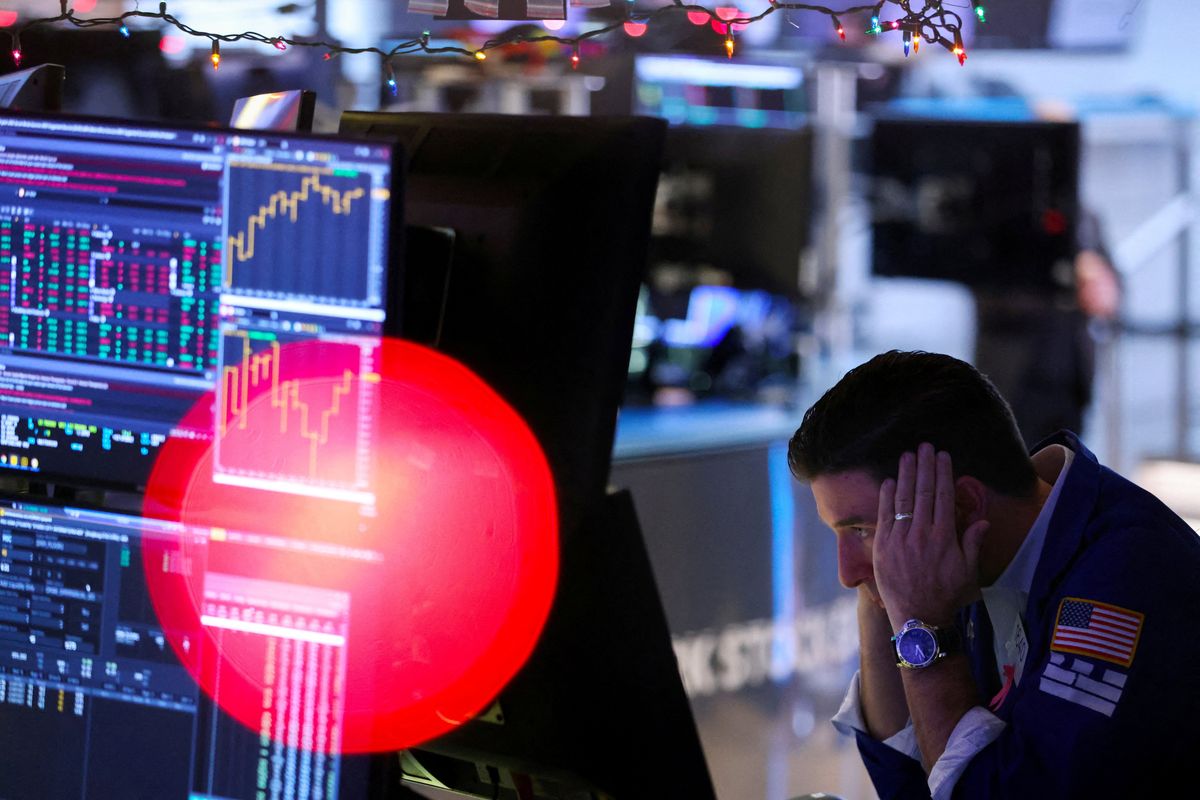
x=981, y=203
x=700, y=91
x=96, y=701
x=737, y=200
x=275, y=111
x=143, y=263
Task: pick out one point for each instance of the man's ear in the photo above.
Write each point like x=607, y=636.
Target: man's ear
x=970, y=501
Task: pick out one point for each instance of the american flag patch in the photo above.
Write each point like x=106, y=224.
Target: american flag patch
x=1097, y=630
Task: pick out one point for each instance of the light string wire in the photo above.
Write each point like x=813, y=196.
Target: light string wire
x=932, y=21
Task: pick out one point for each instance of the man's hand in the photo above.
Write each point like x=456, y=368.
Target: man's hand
x=923, y=569
x=1097, y=289
x=881, y=694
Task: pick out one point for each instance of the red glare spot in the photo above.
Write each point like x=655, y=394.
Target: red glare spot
x=446, y=583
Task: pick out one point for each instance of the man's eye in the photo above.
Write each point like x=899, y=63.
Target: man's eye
x=862, y=533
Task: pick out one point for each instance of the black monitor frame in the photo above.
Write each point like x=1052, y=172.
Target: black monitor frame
x=982, y=203
x=551, y=217
x=755, y=223
x=552, y=220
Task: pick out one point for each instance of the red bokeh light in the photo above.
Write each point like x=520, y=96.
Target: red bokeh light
x=725, y=13
x=7, y=18
x=697, y=17
x=454, y=566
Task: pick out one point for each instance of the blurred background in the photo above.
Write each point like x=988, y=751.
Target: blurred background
x=820, y=201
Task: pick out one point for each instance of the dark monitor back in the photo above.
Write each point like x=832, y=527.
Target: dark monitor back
x=38, y=88
x=551, y=218
x=423, y=290
x=737, y=199
x=980, y=203
x=599, y=710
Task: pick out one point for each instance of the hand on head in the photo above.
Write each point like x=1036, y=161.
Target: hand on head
x=922, y=567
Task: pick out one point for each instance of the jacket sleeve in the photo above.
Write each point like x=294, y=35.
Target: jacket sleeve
x=895, y=775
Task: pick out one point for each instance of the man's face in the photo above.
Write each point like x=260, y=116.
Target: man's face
x=848, y=502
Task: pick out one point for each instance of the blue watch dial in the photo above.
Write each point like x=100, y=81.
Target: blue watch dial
x=917, y=646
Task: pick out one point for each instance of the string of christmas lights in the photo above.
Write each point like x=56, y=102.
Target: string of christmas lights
x=931, y=22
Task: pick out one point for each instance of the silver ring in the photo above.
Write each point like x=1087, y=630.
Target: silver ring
x=903, y=515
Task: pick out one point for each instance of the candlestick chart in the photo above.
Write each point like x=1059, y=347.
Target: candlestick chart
x=292, y=225
x=295, y=411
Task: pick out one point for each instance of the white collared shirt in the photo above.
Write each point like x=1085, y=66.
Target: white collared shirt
x=1005, y=601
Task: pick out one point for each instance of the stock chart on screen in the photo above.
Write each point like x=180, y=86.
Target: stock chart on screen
x=315, y=401
x=98, y=686
x=282, y=213
x=138, y=261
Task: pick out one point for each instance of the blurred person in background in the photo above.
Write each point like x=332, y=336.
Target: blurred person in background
x=1039, y=348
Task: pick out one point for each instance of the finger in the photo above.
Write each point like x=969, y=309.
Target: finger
x=926, y=478
x=887, y=505
x=944, y=498
x=906, y=479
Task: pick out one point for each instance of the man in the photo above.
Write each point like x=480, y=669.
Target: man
x=1028, y=623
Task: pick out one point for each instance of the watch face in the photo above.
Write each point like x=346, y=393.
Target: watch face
x=916, y=646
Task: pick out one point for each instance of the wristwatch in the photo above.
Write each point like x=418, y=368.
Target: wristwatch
x=918, y=645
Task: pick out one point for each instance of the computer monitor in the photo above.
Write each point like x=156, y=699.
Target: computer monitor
x=979, y=203
x=147, y=260
x=291, y=110
x=552, y=219
x=97, y=703
x=737, y=200
x=690, y=90
x=550, y=216
x=38, y=88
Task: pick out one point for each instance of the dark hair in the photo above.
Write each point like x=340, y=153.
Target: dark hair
x=896, y=401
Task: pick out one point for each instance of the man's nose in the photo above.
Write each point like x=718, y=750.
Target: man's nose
x=854, y=561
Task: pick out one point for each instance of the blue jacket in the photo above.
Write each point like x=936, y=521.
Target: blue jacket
x=1080, y=726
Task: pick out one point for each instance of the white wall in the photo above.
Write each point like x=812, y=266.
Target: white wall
x=1163, y=59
